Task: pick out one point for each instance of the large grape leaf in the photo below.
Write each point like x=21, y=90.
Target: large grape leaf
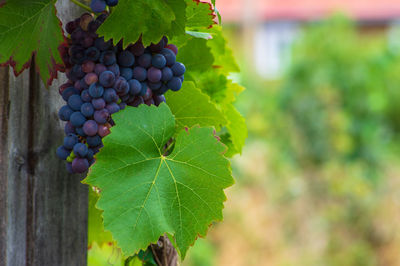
x=31, y=27
x=192, y=107
x=150, y=18
x=145, y=194
x=194, y=53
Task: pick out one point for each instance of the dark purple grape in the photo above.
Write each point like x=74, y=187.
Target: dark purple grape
x=75, y=102
x=85, y=19
x=145, y=60
x=174, y=84
x=98, y=103
x=108, y=58
x=173, y=48
x=68, y=92
x=121, y=86
x=139, y=73
x=138, y=101
x=102, y=45
x=80, y=150
x=87, y=42
x=98, y=6
x=122, y=106
x=114, y=69
x=178, y=69
x=71, y=27
x=147, y=95
x=69, y=128
x=134, y=87
x=154, y=85
x=92, y=54
x=85, y=96
x=77, y=36
x=90, y=128
x=87, y=109
x=157, y=47
x=144, y=88
x=94, y=25
x=161, y=90
x=70, y=141
x=158, y=99
x=77, y=119
x=80, y=165
x=137, y=49
x=158, y=61
x=63, y=153
x=169, y=56
x=126, y=59
x=103, y=130
x=149, y=102
x=166, y=74
x=88, y=66
x=69, y=168
x=91, y=78
x=112, y=108
x=107, y=79
x=95, y=90
x=125, y=98
x=110, y=96
x=154, y=74
x=101, y=116
x=126, y=72
x=102, y=17
x=79, y=131
x=65, y=113
x=90, y=154
x=93, y=141
x=99, y=68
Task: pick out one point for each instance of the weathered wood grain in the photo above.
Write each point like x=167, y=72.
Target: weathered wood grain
x=43, y=209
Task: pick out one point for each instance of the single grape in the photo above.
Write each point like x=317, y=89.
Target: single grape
x=69, y=128
x=175, y=84
x=96, y=90
x=145, y=60
x=87, y=109
x=99, y=68
x=80, y=150
x=158, y=61
x=70, y=141
x=154, y=74
x=68, y=92
x=154, y=85
x=71, y=26
x=139, y=73
x=107, y=79
x=98, y=6
x=157, y=47
x=166, y=74
x=137, y=48
x=169, y=56
x=75, y=102
x=158, y=99
x=85, y=19
x=85, y=96
x=126, y=59
x=101, y=116
x=91, y=78
x=126, y=72
x=134, y=87
x=93, y=141
x=90, y=128
x=114, y=69
x=121, y=86
x=112, y=2
x=110, y=96
x=80, y=165
x=98, y=103
x=65, y=113
x=77, y=119
x=64, y=86
x=80, y=132
x=148, y=94
x=173, y=48
x=88, y=66
x=138, y=101
x=92, y=54
x=178, y=69
x=108, y=58
x=103, y=131
x=62, y=152
x=112, y=108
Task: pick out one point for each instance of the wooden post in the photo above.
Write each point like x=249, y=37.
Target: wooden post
x=43, y=209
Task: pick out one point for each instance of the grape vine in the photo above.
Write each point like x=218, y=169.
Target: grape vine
x=151, y=126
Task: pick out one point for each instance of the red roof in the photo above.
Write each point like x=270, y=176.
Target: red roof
x=237, y=10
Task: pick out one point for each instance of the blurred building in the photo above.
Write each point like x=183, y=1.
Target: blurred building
x=270, y=26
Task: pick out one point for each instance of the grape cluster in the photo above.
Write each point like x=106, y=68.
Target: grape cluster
x=100, y=5
x=102, y=80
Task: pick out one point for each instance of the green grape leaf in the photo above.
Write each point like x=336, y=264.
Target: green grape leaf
x=96, y=231
x=200, y=15
x=149, y=19
x=199, y=34
x=145, y=194
x=200, y=60
x=192, y=107
x=237, y=128
x=27, y=28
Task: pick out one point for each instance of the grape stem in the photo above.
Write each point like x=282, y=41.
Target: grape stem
x=76, y=2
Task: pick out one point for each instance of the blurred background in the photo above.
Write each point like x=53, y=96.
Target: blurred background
x=319, y=179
